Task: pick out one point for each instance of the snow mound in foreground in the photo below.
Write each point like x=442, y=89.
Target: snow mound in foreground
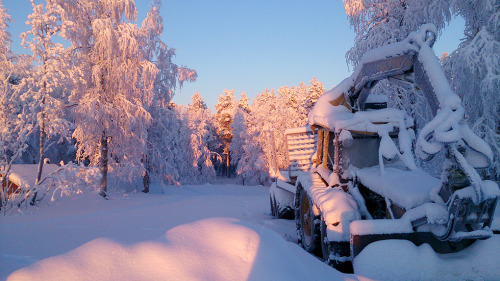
x=210, y=249
x=402, y=260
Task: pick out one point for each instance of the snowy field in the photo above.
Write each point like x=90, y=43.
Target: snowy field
x=207, y=232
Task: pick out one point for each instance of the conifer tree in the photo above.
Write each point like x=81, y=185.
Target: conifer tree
x=314, y=91
x=225, y=108
x=197, y=118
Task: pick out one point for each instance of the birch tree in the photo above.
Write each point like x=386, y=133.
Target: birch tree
x=474, y=69
x=16, y=122
x=381, y=22
x=46, y=81
x=110, y=117
x=163, y=138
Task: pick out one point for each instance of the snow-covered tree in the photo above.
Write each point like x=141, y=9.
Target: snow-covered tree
x=163, y=151
x=252, y=166
x=225, y=109
x=244, y=102
x=315, y=90
x=46, y=87
x=301, y=93
x=110, y=117
x=474, y=69
x=16, y=121
x=5, y=36
x=381, y=22
x=197, y=116
x=157, y=51
x=239, y=128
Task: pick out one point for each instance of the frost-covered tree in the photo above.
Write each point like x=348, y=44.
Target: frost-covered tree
x=156, y=50
x=252, y=165
x=301, y=93
x=46, y=87
x=381, y=22
x=110, y=117
x=266, y=120
x=5, y=36
x=163, y=138
x=314, y=90
x=16, y=121
x=225, y=109
x=474, y=69
x=244, y=102
x=165, y=146
x=239, y=129
x=197, y=116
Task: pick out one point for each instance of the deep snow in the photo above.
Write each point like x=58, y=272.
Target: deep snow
x=206, y=232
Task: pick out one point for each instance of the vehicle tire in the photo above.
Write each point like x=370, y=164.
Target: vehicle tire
x=286, y=213
x=339, y=249
x=308, y=230
x=272, y=203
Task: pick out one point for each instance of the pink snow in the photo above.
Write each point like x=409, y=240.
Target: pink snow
x=210, y=249
x=206, y=232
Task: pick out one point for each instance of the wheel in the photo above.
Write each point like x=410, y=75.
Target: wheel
x=308, y=230
x=281, y=202
x=284, y=212
x=331, y=249
x=272, y=203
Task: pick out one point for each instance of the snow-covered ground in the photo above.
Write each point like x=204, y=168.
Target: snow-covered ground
x=206, y=232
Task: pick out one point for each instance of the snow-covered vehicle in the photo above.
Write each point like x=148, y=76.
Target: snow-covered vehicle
x=353, y=178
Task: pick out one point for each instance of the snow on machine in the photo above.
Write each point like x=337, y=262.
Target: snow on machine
x=353, y=179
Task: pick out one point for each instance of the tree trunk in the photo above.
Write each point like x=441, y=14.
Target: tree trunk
x=104, y=165
x=43, y=135
x=228, y=161
x=145, y=179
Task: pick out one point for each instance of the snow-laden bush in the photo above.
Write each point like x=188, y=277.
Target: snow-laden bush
x=67, y=181
x=72, y=179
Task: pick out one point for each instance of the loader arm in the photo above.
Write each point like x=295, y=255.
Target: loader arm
x=402, y=66
x=412, y=61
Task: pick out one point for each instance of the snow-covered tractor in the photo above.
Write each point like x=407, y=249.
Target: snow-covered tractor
x=353, y=178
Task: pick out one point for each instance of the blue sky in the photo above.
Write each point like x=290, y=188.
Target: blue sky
x=251, y=45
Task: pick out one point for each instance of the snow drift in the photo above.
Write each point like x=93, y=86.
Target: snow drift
x=210, y=249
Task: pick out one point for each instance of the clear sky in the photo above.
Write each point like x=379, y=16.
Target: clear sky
x=251, y=45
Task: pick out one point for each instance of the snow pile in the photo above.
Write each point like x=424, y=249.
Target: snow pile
x=402, y=260
x=210, y=249
x=208, y=232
